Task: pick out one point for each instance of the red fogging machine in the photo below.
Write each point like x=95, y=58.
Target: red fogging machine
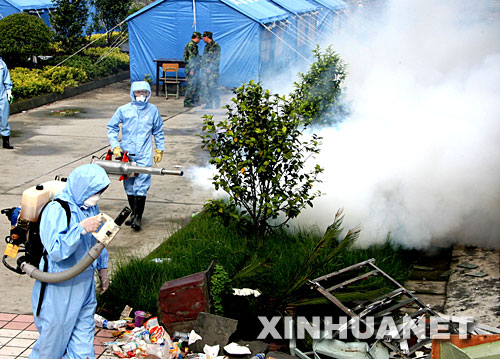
x=124, y=168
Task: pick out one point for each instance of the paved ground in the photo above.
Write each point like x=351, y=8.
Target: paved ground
x=47, y=145
x=18, y=334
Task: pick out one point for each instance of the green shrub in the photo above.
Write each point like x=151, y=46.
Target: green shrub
x=30, y=83
x=260, y=156
x=22, y=36
x=318, y=93
x=102, y=39
x=97, y=62
x=65, y=76
x=76, y=70
x=219, y=287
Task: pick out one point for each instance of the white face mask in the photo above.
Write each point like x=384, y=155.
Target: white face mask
x=92, y=201
x=141, y=98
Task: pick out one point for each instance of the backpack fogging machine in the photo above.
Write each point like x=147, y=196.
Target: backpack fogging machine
x=24, y=237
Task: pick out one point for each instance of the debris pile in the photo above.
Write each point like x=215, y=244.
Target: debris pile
x=135, y=339
x=138, y=341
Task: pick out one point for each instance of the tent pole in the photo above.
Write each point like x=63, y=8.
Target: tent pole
x=194, y=15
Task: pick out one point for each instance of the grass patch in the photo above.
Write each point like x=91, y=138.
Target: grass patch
x=274, y=268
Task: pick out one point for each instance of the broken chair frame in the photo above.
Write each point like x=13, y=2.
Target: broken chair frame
x=384, y=305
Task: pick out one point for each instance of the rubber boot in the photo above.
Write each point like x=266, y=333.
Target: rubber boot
x=6, y=143
x=131, y=202
x=140, y=202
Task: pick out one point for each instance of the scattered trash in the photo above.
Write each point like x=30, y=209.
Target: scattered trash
x=244, y=292
x=177, y=166
x=161, y=260
x=139, y=318
x=102, y=322
x=193, y=337
x=67, y=112
x=236, y=349
x=150, y=339
x=211, y=351
x=467, y=265
x=126, y=312
x=180, y=336
x=351, y=350
x=259, y=356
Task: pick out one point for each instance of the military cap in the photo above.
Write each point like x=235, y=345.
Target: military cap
x=196, y=34
x=207, y=33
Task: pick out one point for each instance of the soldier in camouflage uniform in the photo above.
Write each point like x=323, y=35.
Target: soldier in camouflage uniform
x=210, y=71
x=192, y=69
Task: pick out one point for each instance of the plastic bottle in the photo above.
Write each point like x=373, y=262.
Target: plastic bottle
x=115, y=324
x=100, y=321
x=259, y=356
x=32, y=202
x=104, y=323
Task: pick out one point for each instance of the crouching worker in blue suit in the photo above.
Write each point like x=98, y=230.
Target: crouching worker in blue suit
x=140, y=121
x=66, y=315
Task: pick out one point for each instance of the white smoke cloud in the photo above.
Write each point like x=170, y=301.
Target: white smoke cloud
x=419, y=156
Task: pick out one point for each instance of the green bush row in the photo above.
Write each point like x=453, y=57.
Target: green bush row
x=94, y=63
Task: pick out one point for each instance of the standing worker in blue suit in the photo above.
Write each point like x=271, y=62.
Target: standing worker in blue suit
x=5, y=98
x=140, y=122
x=66, y=315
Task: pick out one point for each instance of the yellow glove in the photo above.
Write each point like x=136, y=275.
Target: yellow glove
x=158, y=156
x=118, y=152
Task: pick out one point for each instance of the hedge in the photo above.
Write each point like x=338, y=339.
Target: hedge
x=93, y=64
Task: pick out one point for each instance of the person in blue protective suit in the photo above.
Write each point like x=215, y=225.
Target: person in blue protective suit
x=5, y=97
x=66, y=318
x=140, y=121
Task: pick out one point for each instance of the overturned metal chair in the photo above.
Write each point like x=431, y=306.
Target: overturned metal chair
x=389, y=304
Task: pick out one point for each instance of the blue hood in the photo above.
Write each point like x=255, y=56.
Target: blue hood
x=139, y=85
x=83, y=182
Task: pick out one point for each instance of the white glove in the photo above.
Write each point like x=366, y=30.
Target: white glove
x=103, y=276
x=91, y=224
x=9, y=94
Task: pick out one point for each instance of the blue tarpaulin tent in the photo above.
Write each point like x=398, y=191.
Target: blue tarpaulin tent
x=38, y=8
x=247, y=31
x=329, y=18
x=302, y=25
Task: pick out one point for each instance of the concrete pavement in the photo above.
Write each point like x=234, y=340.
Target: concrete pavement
x=47, y=144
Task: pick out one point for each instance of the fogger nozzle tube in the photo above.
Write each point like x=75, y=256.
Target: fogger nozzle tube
x=125, y=168
x=72, y=272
